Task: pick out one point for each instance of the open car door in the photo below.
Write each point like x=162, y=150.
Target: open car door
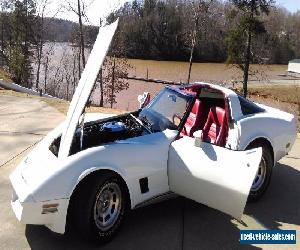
x=217, y=177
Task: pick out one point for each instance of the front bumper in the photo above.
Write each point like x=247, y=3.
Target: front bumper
x=30, y=211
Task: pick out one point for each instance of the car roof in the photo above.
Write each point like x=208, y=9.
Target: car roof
x=194, y=87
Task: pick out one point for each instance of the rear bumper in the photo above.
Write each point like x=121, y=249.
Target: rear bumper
x=29, y=211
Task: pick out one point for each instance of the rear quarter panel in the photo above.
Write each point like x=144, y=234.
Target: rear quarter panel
x=280, y=131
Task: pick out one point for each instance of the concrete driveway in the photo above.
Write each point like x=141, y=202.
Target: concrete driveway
x=173, y=224
x=23, y=121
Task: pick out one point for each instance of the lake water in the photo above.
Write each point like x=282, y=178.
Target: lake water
x=178, y=72
x=216, y=72
x=61, y=57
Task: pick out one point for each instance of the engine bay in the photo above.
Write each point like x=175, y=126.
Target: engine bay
x=97, y=133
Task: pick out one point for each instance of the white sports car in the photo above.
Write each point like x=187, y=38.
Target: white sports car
x=201, y=141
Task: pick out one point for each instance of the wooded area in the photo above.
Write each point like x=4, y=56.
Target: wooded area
x=239, y=32
x=161, y=30
x=28, y=43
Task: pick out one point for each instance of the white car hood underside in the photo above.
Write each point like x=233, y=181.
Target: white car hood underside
x=85, y=86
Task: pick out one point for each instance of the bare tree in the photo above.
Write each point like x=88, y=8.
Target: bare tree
x=199, y=9
x=112, y=79
x=79, y=10
x=46, y=60
x=55, y=81
x=100, y=79
x=40, y=39
x=40, y=29
x=46, y=67
x=115, y=71
x=75, y=70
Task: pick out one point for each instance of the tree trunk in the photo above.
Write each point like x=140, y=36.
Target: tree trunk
x=190, y=64
x=247, y=64
x=81, y=33
x=40, y=51
x=79, y=66
x=112, y=84
x=74, y=73
x=248, y=53
x=46, y=73
x=101, y=89
x=39, y=55
x=192, y=51
x=2, y=36
x=68, y=84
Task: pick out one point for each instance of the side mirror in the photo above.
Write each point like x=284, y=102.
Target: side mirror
x=144, y=99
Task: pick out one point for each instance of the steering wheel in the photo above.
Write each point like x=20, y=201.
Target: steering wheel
x=180, y=118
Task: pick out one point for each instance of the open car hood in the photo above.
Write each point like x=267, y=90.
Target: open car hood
x=85, y=86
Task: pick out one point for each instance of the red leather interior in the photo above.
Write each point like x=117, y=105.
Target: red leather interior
x=193, y=120
x=215, y=128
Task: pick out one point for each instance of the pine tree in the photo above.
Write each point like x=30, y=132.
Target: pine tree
x=240, y=39
x=19, y=50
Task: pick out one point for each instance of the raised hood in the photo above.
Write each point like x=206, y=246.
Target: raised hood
x=85, y=86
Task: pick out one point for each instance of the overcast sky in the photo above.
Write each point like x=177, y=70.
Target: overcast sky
x=95, y=9
x=101, y=8
x=291, y=5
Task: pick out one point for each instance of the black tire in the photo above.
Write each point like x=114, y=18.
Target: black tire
x=267, y=159
x=83, y=208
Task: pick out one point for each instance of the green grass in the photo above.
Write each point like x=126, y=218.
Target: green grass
x=5, y=76
x=290, y=94
x=61, y=105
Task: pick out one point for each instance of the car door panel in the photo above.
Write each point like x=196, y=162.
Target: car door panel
x=215, y=176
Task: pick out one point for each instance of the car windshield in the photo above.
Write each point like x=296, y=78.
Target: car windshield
x=165, y=110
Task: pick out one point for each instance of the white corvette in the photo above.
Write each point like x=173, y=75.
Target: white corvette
x=89, y=171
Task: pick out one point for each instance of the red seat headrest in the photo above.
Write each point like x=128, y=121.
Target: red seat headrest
x=218, y=114
x=215, y=129
x=195, y=108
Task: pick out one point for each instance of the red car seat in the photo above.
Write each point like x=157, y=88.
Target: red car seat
x=215, y=128
x=193, y=121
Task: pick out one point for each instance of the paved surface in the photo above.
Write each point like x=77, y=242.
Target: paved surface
x=174, y=224
x=23, y=121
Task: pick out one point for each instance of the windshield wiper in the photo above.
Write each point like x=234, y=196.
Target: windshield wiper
x=147, y=123
x=142, y=123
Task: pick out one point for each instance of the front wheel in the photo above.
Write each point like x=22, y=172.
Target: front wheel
x=101, y=207
x=263, y=175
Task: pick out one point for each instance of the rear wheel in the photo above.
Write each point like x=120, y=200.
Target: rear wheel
x=263, y=175
x=99, y=207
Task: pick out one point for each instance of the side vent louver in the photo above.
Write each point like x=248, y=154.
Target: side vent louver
x=144, y=185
